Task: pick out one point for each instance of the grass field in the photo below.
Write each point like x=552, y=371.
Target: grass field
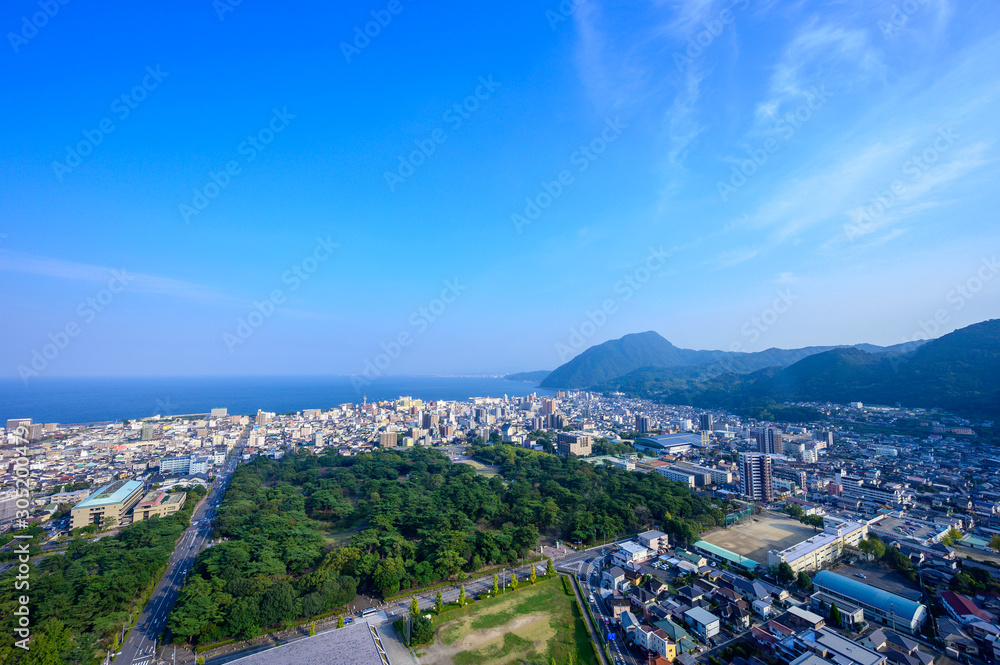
x=753, y=539
x=480, y=468
x=530, y=625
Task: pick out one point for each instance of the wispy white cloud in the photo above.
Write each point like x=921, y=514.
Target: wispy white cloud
x=822, y=51
x=30, y=264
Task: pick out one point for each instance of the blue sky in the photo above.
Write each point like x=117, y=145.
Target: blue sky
x=736, y=176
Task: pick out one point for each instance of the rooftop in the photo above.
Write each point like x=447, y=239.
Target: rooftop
x=701, y=615
x=902, y=608
x=723, y=553
x=111, y=494
x=356, y=644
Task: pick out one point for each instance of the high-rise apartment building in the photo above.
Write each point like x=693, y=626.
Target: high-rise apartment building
x=705, y=422
x=769, y=441
x=755, y=477
x=641, y=424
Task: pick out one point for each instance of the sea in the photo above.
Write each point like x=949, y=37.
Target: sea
x=95, y=400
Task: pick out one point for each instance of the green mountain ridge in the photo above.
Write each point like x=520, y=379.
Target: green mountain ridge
x=649, y=350
x=956, y=372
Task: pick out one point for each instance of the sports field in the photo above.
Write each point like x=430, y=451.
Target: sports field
x=755, y=538
x=529, y=625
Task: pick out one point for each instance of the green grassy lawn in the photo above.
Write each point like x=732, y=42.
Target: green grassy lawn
x=529, y=625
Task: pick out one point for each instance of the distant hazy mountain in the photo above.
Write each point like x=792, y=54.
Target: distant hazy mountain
x=610, y=360
x=531, y=377
x=957, y=372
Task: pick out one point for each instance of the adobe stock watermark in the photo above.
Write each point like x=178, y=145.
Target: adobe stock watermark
x=455, y=117
x=250, y=148
x=294, y=277
x=31, y=25
x=899, y=17
x=223, y=7
x=582, y=158
x=698, y=43
x=760, y=155
x=864, y=219
x=22, y=542
x=756, y=326
x=625, y=289
x=958, y=297
x=562, y=13
x=122, y=107
x=420, y=320
x=86, y=313
x=363, y=36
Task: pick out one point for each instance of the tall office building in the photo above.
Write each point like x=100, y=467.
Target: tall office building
x=641, y=424
x=755, y=477
x=705, y=422
x=769, y=441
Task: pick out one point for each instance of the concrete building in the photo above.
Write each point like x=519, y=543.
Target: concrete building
x=107, y=505
x=769, y=441
x=641, y=424
x=158, y=503
x=181, y=465
x=577, y=444
x=678, y=475
x=146, y=433
x=703, y=623
x=629, y=552
x=705, y=422
x=717, y=476
x=859, y=490
x=8, y=506
x=388, y=439
x=654, y=540
x=822, y=549
x=755, y=477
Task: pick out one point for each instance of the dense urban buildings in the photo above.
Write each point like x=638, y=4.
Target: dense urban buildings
x=755, y=477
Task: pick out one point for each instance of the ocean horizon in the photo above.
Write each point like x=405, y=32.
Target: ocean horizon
x=80, y=400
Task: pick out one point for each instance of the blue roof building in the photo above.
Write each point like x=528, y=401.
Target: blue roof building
x=879, y=605
x=107, y=505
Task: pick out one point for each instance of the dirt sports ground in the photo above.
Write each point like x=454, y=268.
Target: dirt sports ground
x=529, y=626
x=766, y=532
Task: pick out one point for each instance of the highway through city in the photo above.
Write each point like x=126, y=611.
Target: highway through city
x=142, y=642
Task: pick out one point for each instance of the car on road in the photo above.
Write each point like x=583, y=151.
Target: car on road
x=861, y=575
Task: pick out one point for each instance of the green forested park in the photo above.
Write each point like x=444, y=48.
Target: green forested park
x=81, y=600
x=303, y=534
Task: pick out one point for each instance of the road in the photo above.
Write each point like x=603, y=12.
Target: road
x=591, y=578
x=141, y=644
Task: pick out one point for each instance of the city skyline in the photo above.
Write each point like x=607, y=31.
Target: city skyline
x=214, y=189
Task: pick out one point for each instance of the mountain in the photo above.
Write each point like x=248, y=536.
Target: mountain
x=530, y=377
x=956, y=372
x=616, y=358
